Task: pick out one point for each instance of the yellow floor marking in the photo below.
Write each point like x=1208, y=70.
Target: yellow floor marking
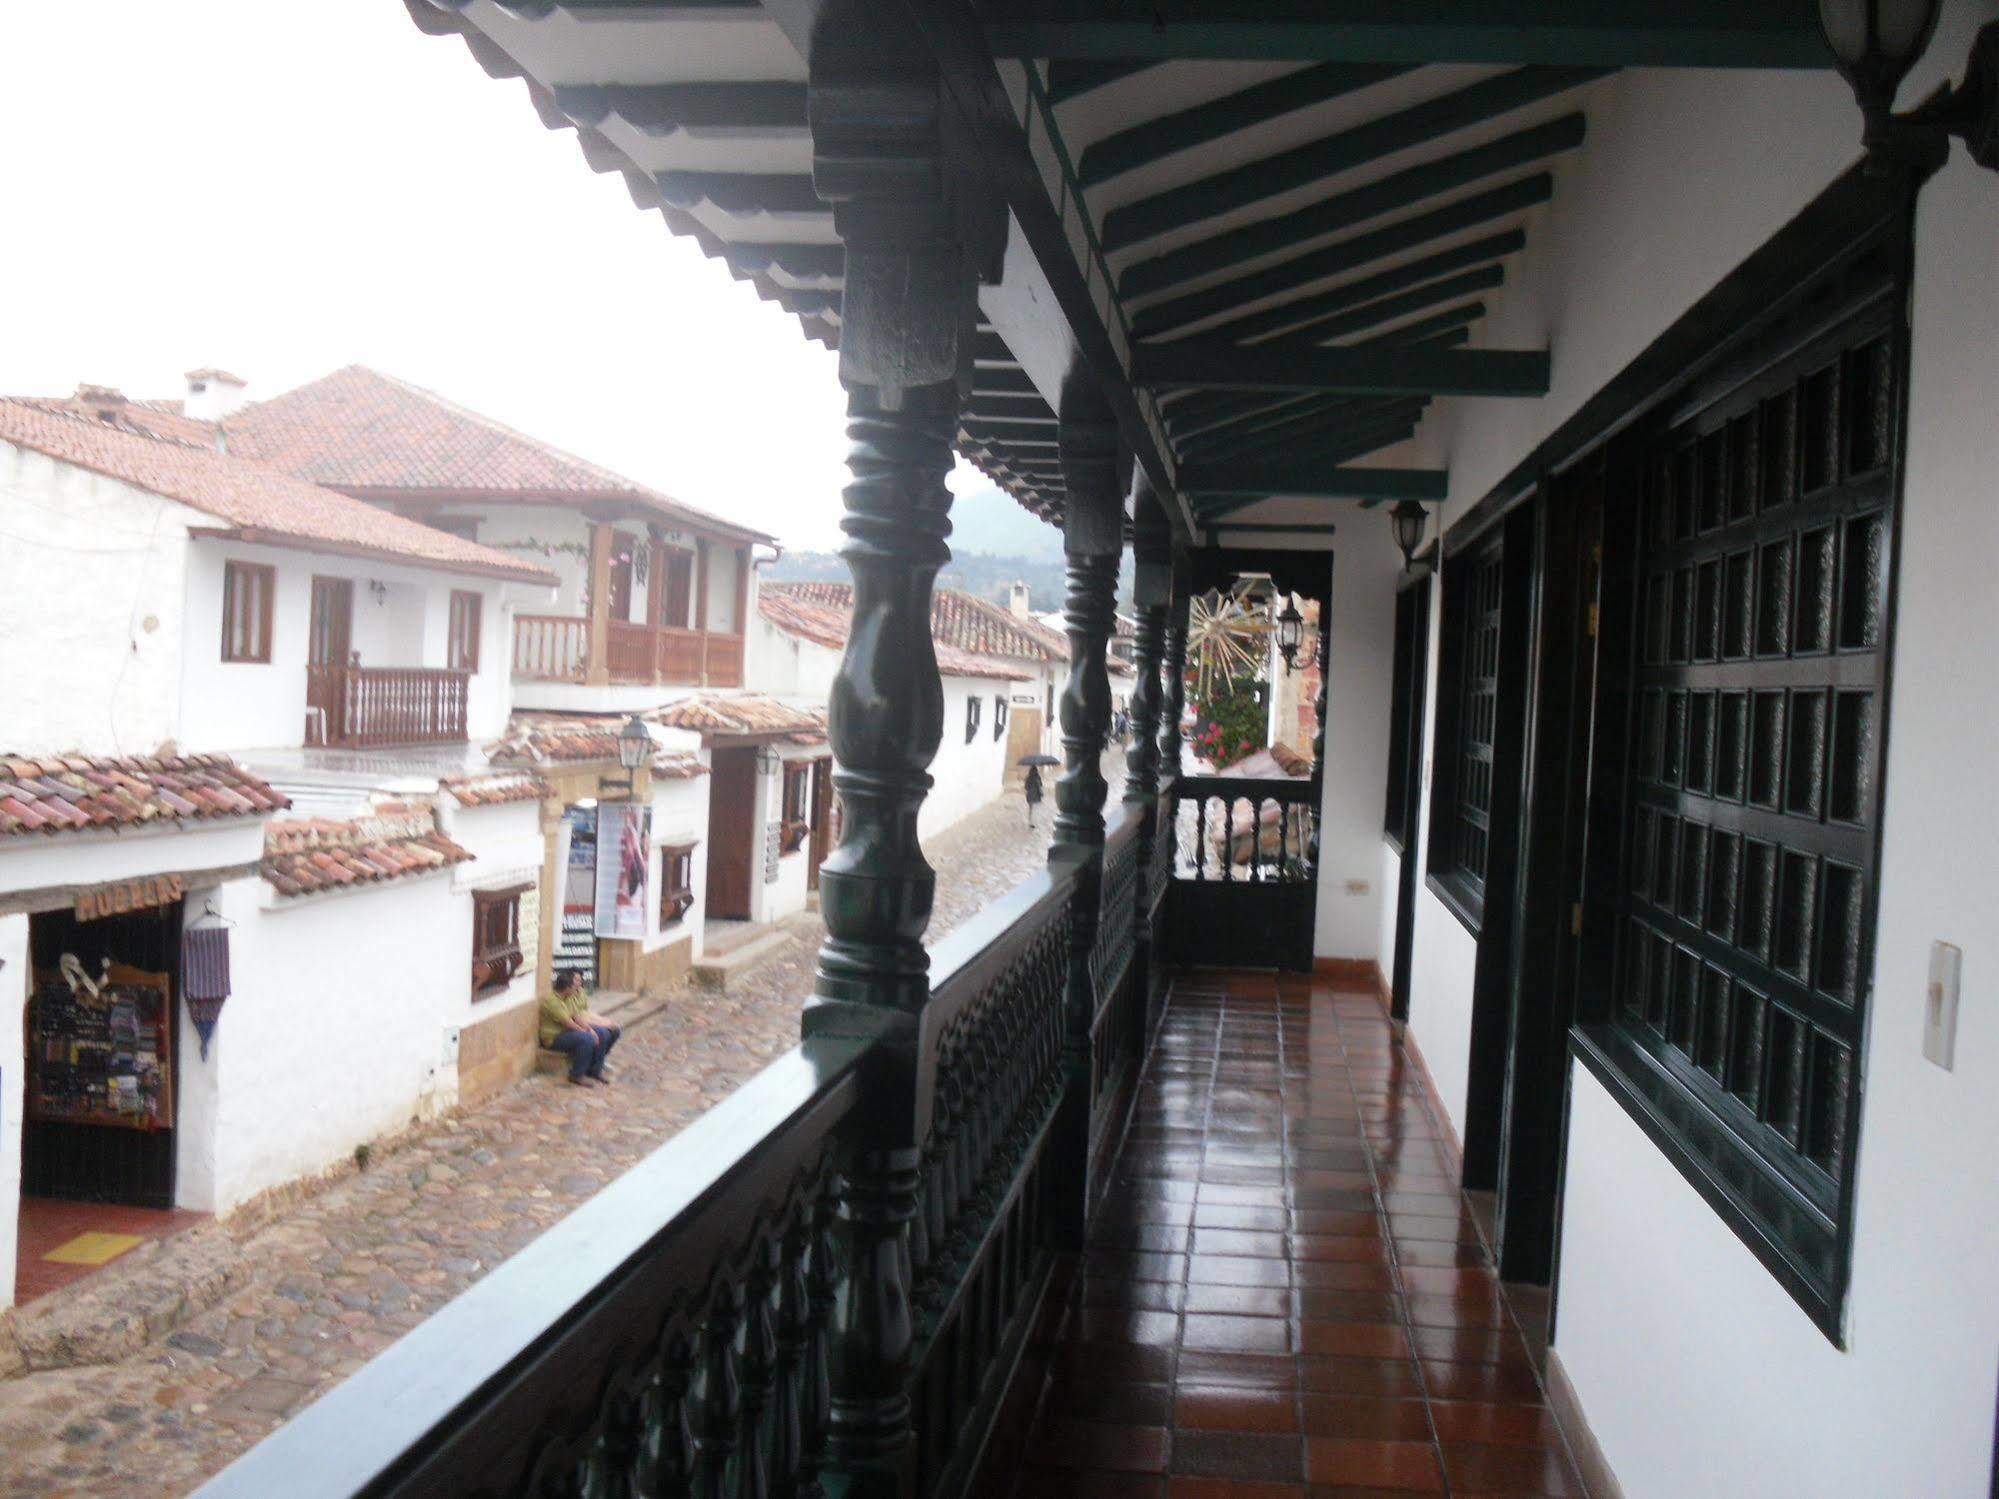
x=93, y=1249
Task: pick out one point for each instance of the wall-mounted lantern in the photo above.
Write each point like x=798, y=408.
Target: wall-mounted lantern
x=634, y=749
x=1874, y=44
x=1409, y=518
x=1290, y=633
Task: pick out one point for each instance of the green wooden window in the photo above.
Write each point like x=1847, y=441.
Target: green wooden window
x=1467, y=724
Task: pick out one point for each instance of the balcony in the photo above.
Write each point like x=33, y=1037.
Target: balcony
x=367, y=707
x=556, y=648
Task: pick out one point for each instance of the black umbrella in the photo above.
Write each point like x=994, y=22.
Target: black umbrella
x=1037, y=760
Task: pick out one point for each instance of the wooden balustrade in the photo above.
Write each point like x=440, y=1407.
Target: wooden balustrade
x=1242, y=880
x=551, y=647
x=671, y=1335
x=555, y=648
x=365, y=707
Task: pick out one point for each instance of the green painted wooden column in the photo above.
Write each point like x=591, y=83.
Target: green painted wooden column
x=1325, y=647
x=1173, y=702
x=1093, y=541
x=1152, y=588
x=913, y=250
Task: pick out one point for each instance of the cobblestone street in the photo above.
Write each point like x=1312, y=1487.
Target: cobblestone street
x=323, y=1287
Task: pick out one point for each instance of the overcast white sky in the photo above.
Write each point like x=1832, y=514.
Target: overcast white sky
x=281, y=189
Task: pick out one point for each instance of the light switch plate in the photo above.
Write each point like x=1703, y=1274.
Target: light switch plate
x=1940, y=1005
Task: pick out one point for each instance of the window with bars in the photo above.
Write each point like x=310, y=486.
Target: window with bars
x=1461, y=795
x=972, y=705
x=1752, y=799
x=247, y=591
x=796, y=823
x=999, y=715
x=1405, y=721
x=496, y=939
x=676, y=882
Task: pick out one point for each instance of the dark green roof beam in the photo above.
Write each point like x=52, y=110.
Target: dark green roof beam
x=1012, y=435
x=1010, y=409
x=1303, y=271
x=1132, y=148
x=1320, y=424
x=742, y=192
x=801, y=262
x=1344, y=211
x=1631, y=33
x=990, y=381
x=1072, y=80
x=1365, y=371
x=1318, y=481
x=1241, y=186
x=714, y=109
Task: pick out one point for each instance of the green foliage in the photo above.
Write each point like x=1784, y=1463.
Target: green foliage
x=1229, y=724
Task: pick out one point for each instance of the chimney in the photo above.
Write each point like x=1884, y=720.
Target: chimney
x=1016, y=599
x=104, y=403
x=212, y=395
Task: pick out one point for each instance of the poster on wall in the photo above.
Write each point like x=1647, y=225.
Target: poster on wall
x=576, y=931
x=624, y=865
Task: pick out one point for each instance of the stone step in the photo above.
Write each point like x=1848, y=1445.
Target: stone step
x=717, y=971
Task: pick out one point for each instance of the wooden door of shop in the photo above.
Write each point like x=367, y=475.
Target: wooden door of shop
x=1023, y=737
x=69, y=1149
x=331, y=640
x=822, y=821
x=732, y=840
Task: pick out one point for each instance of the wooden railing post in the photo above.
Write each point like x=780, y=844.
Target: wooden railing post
x=1152, y=589
x=597, y=658
x=908, y=309
x=1325, y=647
x=1173, y=653
x=1093, y=540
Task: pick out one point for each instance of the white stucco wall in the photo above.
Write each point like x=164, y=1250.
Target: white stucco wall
x=91, y=574
x=679, y=815
x=326, y=1042
x=540, y=534
x=1697, y=1372
x=723, y=561
x=965, y=776
x=13, y=1002
x=1359, y=675
x=233, y=705
x=507, y=849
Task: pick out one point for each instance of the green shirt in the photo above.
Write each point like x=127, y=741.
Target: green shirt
x=556, y=1008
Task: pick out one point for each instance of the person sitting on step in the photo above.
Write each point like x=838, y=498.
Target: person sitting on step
x=568, y=1026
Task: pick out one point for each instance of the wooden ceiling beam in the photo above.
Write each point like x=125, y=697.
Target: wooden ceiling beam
x=1137, y=145
x=1072, y=80
x=1302, y=271
x=1240, y=484
x=1211, y=365
x=1634, y=33
x=1241, y=186
x=1344, y=211
x=743, y=193
x=715, y=109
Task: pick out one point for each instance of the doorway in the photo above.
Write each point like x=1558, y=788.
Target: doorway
x=732, y=832
x=331, y=641
x=102, y=1074
x=822, y=820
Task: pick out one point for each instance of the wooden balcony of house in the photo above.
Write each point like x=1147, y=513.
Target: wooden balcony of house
x=368, y=707
x=557, y=648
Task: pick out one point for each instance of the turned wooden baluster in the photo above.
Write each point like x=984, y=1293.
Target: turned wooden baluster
x=915, y=250
x=757, y=1351
x=665, y=1460
x=794, y=1356
x=1173, y=653
x=715, y=1399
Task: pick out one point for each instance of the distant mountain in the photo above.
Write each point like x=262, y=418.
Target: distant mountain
x=993, y=542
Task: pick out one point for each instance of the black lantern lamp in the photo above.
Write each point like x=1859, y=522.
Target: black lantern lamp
x=1409, y=518
x=1874, y=44
x=1290, y=633
x=634, y=749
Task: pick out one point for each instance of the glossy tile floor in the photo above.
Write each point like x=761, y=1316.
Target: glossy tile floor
x=1284, y=1294
x=46, y=1224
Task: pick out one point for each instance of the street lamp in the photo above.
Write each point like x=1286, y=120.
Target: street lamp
x=1409, y=518
x=1874, y=43
x=1290, y=632
x=634, y=749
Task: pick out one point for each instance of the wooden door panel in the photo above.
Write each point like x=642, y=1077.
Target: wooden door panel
x=732, y=841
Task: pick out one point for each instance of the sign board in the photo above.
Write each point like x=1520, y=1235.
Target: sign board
x=624, y=869
x=576, y=926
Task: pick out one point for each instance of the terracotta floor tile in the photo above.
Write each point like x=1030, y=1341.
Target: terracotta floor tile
x=1237, y=1270
x=1360, y=1417
x=1318, y=1305
x=1357, y=1250
x=1121, y=1325
x=1227, y=1408
x=1241, y=1301
x=1231, y=1241
x=1237, y=1334
x=1497, y=1384
x=1342, y=1275
x=1229, y=1215
x=1453, y=1311
x=1387, y=1379
x=1470, y=1345
x=1056, y=1483
x=1236, y=1454
x=1100, y=1445
x=1268, y=1371
x=1184, y=1486
x=1117, y=1403
x=1485, y=1468
x=1504, y=1425
x=1354, y=1339
x=1391, y=1465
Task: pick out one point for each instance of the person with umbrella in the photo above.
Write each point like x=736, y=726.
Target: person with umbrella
x=1032, y=788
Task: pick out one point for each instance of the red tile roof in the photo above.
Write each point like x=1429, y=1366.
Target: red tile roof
x=66, y=793
x=735, y=713
x=825, y=623
x=258, y=503
x=494, y=788
x=361, y=431
x=959, y=620
x=552, y=739
x=306, y=856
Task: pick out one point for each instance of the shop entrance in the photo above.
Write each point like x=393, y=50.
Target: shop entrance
x=102, y=1071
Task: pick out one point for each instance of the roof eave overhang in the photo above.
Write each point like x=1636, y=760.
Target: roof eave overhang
x=266, y=536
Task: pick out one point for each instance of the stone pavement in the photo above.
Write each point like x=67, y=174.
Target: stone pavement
x=325, y=1286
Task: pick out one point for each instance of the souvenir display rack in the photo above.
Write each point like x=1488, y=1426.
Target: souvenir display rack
x=103, y=1057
